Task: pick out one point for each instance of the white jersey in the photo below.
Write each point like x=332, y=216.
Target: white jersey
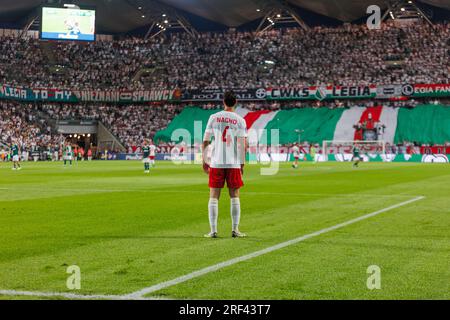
x=152, y=150
x=295, y=151
x=226, y=127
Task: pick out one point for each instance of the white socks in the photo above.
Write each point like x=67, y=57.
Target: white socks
x=213, y=211
x=235, y=213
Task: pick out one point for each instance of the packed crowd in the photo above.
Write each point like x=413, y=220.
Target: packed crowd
x=131, y=124
x=332, y=104
x=22, y=62
x=27, y=124
x=346, y=55
x=20, y=124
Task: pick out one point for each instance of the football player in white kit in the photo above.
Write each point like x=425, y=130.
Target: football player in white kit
x=153, y=149
x=296, y=152
x=229, y=132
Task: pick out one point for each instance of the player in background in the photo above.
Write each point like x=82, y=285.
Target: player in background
x=74, y=153
x=229, y=132
x=296, y=152
x=356, y=156
x=312, y=152
x=15, y=156
x=67, y=154
x=146, y=157
x=153, y=149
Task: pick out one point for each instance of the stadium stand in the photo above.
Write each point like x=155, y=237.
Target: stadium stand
x=26, y=124
x=21, y=123
x=130, y=123
x=346, y=55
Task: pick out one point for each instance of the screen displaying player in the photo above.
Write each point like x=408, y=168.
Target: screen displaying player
x=68, y=24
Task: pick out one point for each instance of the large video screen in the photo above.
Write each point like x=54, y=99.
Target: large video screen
x=68, y=24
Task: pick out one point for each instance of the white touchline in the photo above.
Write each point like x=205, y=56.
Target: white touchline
x=71, y=295
x=213, y=268
x=56, y=294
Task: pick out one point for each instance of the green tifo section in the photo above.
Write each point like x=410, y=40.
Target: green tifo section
x=318, y=124
x=423, y=124
x=184, y=125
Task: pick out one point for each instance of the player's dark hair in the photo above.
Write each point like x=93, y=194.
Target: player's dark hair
x=229, y=99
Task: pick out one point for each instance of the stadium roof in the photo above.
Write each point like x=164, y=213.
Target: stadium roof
x=116, y=16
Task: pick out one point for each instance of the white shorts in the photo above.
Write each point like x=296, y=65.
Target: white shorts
x=68, y=158
x=146, y=160
x=15, y=158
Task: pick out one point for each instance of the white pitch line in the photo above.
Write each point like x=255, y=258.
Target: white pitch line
x=213, y=268
x=57, y=294
x=331, y=195
x=70, y=295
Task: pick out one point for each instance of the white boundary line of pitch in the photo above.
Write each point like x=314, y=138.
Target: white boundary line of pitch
x=72, y=295
x=213, y=268
x=139, y=295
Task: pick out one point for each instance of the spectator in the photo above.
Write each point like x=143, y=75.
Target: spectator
x=346, y=55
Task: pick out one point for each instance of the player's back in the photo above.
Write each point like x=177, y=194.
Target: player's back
x=224, y=119
x=226, y=127
x=146, y=151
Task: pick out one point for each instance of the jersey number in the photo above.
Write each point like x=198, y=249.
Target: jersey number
x=224, y=134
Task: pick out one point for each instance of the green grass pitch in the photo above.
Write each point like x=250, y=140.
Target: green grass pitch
x=127, y=231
